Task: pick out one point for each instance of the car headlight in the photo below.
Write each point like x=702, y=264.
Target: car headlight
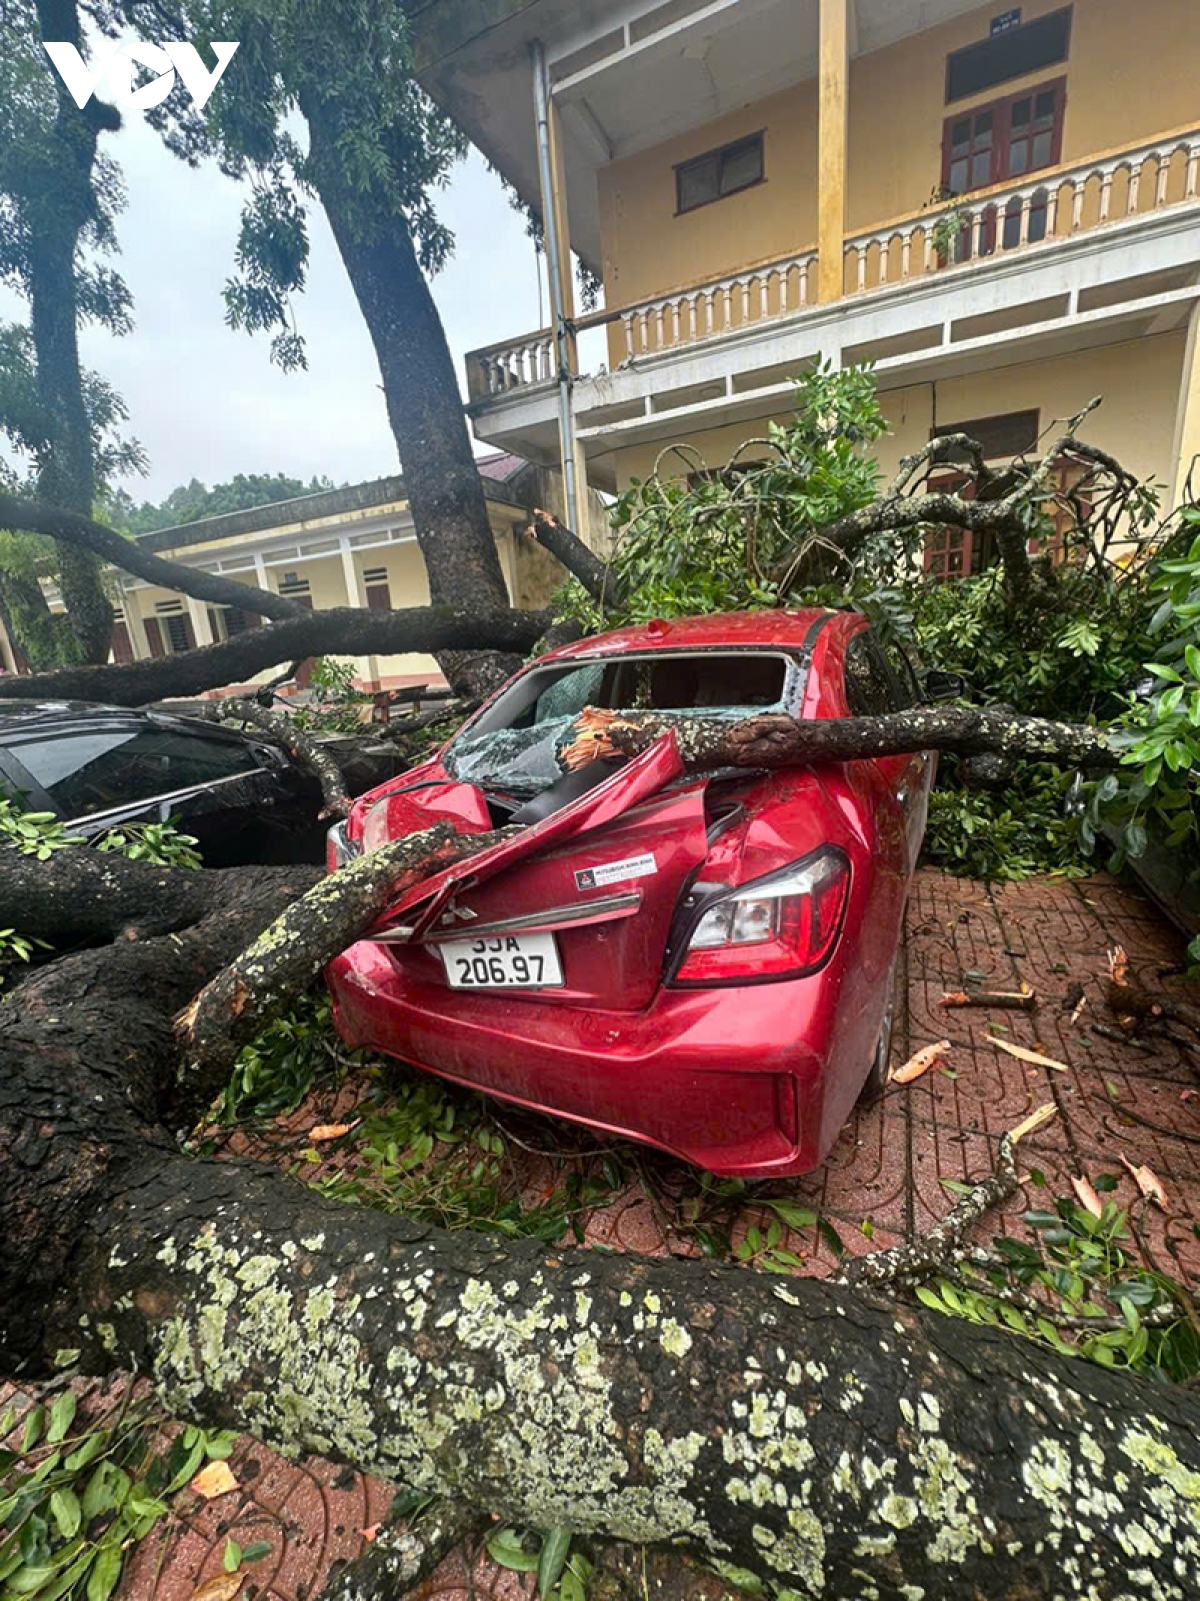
x=339, y=847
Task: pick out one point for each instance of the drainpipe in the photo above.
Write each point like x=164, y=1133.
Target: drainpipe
x=555, y=264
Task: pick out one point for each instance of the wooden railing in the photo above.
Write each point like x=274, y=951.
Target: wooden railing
x=1051, y=205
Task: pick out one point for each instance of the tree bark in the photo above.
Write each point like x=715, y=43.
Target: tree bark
x=829, y=1442
x=69, y=529
x=342, y=630
x=778, y=741
x=424, y=406
x=59, y=204
x=580, y=560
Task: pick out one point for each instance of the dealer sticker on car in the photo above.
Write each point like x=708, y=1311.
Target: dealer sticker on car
x=510, y=961
x=616, y=872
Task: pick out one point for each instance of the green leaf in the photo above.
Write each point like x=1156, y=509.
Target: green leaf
x=556, y=1548
x=506, y=1549
x=931, y=1299
x=106, y=1570
x=92, y=1446
x=232, y=1560
x=33, y=1428
x=796, y=1217
x=256, y=1551
x=62, y=1415
x=66, y=1511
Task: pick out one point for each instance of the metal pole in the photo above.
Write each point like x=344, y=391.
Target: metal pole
x=566, y=418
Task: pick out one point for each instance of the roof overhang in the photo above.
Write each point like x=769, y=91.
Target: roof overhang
x=626, y=77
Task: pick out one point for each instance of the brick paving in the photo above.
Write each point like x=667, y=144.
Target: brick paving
x=883, y=1182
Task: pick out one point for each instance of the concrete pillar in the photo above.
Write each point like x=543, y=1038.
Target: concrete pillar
x=1187, y=418
x=832, y=121
x=201, y=626
x=135, y=625
x=356, y=595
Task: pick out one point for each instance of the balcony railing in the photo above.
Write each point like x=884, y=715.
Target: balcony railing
x=667, y=322
x=1050, y=206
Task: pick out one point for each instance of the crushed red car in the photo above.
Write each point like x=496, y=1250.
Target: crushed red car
x=704, y=962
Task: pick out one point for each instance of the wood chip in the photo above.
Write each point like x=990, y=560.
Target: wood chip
x=1022, y=1000
x=1022, y=1055
x=223, y=1588
x=329, y=1131
x=1036, y=1118
x=1078, y=1012
x=1148, y=1182
x=371, y=1531
x=1118, y=964
x=920, y=1063
x=1087, y=1197
x=214, y=1480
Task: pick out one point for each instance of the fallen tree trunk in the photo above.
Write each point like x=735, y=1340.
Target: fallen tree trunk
x=85, y=534
x=829, y=1442
x=774, y=740
x=342, y=630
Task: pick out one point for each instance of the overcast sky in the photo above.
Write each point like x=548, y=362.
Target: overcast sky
x=205, y=401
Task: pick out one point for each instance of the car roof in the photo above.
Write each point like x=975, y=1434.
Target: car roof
x=748, y=630
x=21, y=720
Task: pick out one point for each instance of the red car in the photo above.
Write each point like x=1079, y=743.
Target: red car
x=701, y=962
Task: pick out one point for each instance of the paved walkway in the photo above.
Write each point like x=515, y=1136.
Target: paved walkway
x=884, y=1181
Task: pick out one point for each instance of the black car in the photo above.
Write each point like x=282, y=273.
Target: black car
x=96, y=767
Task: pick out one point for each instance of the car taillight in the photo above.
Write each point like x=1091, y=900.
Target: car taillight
x=778, y=927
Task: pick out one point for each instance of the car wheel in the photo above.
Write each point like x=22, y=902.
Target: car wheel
x=878, y=1076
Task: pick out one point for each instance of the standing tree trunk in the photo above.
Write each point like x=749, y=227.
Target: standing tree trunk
x=441, y=480
x=57, y=206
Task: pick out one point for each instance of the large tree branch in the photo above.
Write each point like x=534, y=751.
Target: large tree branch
x=304, y=752
x=581, y=562
x=343, y=630
x=68, y=528
x=801, y=1430
x=777, y=741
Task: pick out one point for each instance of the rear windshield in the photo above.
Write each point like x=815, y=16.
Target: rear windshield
x=513, y=746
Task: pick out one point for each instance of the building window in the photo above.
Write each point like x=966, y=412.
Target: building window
x=719, y=173
x=375, y=582
x=1010, y=434
x=176, y=626
x=1008, y=55
x=297, y=589
x=1004, y=139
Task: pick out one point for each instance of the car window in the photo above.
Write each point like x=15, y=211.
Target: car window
x=513, y=745
x=103, y=768
x=870, y=690
x=902, y=672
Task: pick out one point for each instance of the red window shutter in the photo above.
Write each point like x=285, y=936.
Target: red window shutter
x=122, y=649
x=379, y=597
x=154, y=637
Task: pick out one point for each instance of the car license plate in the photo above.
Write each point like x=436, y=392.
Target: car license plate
x=510, y=961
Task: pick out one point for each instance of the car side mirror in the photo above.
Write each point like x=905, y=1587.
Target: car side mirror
x=938, y=685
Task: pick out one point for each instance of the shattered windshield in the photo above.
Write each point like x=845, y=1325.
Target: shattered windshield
x=514, y=746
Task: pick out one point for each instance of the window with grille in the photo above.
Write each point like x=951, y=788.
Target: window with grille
x=176, y=626
x=1011, y=54
x=718, y=173
x=375, y=582
x=297, y=589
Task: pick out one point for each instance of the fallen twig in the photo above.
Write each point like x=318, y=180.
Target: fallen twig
x=1022, y=1000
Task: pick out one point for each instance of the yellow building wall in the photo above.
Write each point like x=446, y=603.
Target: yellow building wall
x=1131, y=74
x=1139, y=381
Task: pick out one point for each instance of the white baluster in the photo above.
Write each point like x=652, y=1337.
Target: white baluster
x=548, y=350
x=1026, y=208
x=659, y=331
x=862, y=267
x=928, y=247
x=1164, y=177
x=976, y=235
x=745, y=283
x=627, y=325
x=906, y=253
x=1051, y=211
x=764, y=295
x=709, y=319
x=675, y=305
x=803, y=285
x=1193, y=171
x=644, y=328
x=1079, y=190
x=727, y=302
x=885, y=256
x=1135, y=183
x=1106, y=183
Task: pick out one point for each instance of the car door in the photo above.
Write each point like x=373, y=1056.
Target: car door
x=873, y=689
